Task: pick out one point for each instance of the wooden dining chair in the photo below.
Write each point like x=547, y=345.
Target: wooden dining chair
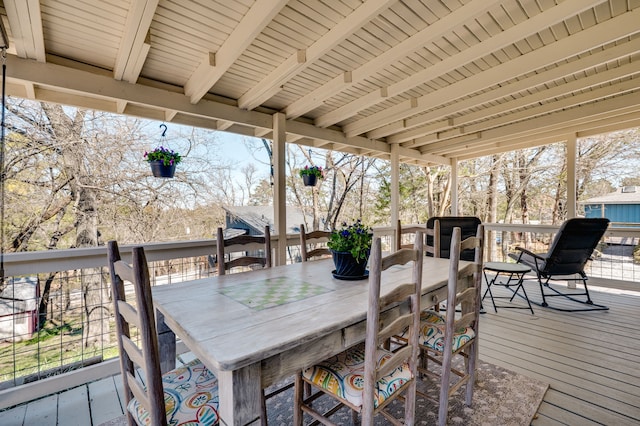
x=431, y=244
x=244, y=244
x=187, y=394
x=402, y=231
x=445, y=335
x=318, y=241
x=367, y=377
x=432, y=239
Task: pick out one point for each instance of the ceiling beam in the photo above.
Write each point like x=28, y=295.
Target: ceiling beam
x=25, y=23
x=606, y=32
x=136, y=41
x=619, y=123
x=565, y=103
x=574, y=122
x=71, y=86
x=214, y=65
x=513, y=142
x=526, y=28
x=428, y=35
x=417, y=124
x=573, y=119
x=541, y=103
x=298, y=62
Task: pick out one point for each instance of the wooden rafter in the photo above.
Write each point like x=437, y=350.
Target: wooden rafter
x=136, y=41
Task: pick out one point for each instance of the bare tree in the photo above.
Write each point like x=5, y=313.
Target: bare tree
x=76, y=177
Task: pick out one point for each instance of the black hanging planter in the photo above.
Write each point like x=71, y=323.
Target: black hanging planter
x=159, y=170
x=309, y=180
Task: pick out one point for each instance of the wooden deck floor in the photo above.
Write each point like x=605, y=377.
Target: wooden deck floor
x=590, y=359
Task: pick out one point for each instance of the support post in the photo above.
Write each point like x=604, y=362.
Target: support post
x=572, y=158
x=280, y=186
x=395, y=189
x=454, y=187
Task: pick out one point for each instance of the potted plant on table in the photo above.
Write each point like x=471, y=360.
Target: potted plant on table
x=163, y=161
x=350, y=247
x=310, y=175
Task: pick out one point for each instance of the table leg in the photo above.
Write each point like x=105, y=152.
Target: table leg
x=240, y=392
x=166, y=344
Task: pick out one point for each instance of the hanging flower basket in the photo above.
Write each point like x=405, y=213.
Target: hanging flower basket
x=159, y=169
x=310, y=175
x=163, y=162
x=309, y=180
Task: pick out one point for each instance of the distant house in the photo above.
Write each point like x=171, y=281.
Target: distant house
x=253, y=219
x=19, y=309
x=621, y=206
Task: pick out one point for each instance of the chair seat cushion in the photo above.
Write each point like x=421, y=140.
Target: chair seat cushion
x=432, y=317
x=432, y=334
x=343, y=375
x=190, y=395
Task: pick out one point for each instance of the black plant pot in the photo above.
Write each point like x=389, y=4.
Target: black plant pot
x=348, y=268
x=309, y=180
x=160, y=170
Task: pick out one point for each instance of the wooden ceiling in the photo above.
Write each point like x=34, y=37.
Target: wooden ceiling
x=437, y=79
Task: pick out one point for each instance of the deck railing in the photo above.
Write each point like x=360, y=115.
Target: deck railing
x=57, y=356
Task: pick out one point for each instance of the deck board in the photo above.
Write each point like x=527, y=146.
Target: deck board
x=550, y=414
x=73, y=409
x=13, y=416
x=42, y=412
x=591, y=361
x=105, y=404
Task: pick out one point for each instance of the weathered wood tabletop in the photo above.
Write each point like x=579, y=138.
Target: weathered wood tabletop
x=258, y=327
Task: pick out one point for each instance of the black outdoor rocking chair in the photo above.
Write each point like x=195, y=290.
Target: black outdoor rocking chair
x=568, y=254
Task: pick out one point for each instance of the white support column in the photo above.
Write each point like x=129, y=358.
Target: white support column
x=454, y=187
x=572, y=157
x=279, y=184
x=395, y=188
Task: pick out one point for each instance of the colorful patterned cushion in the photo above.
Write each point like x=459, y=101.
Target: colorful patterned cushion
x=190, y=397
x=343, y=375
x=432, y=317
x=433, y=337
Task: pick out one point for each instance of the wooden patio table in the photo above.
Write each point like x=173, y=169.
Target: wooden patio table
x=255, y=328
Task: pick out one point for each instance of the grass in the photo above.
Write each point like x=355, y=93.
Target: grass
x=52, y=347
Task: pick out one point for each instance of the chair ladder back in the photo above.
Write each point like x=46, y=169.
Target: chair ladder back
x=452, y=287
x=377, y=333
x=146, y=356
x=432, y=235
x=122, y=326
x=466, y=291
x=138, y=390
x=400, y=231
x=313, y=237
x=237, y=244
x=398, y=325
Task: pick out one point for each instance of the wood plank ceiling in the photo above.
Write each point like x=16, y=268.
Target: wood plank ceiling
x=442, y=79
